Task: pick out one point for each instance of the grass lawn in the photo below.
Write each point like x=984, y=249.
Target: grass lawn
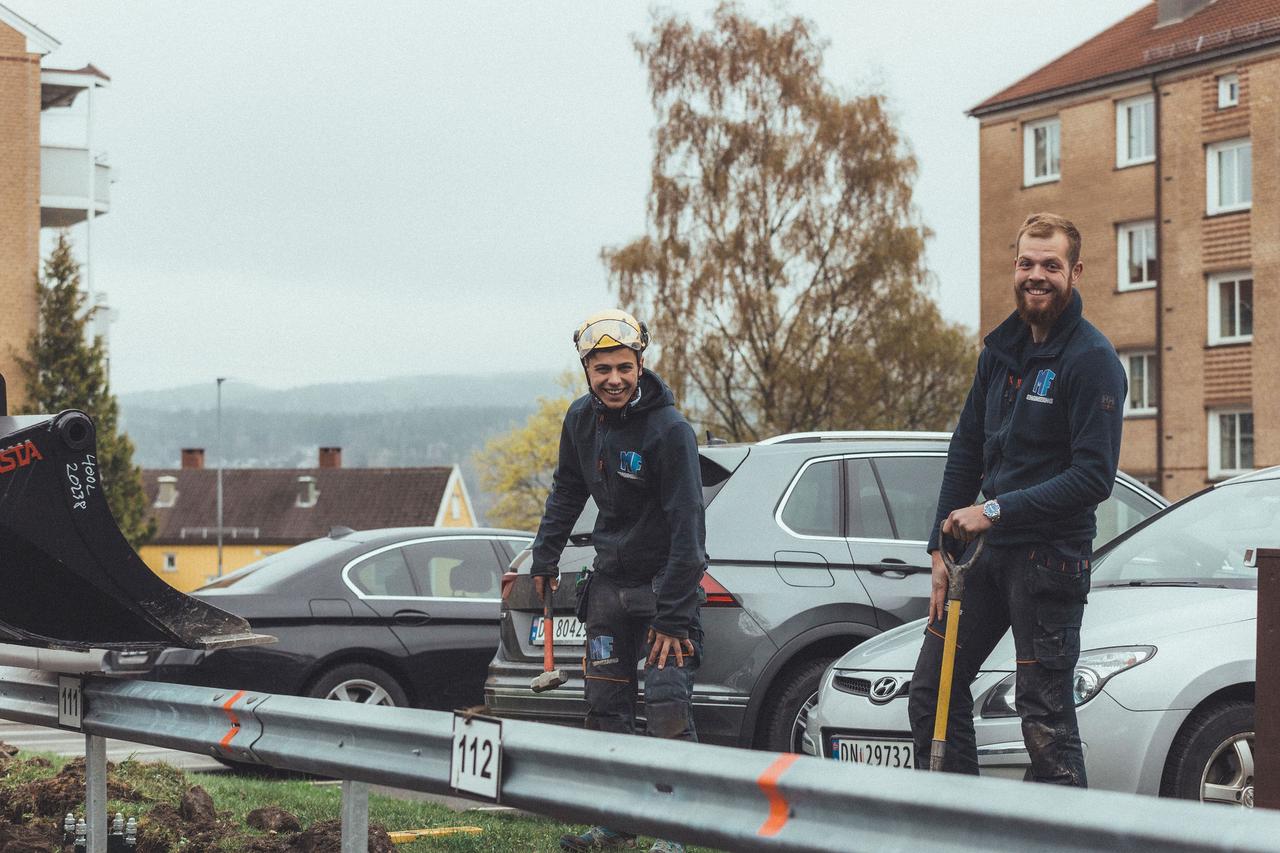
x=240, y=794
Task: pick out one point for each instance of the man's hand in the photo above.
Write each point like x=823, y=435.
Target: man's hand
x=661, y=645
x=966, y=524
x=938, y=592
x=540, y=584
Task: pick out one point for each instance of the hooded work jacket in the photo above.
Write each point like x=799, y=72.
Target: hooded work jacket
x=640, y=463
x=1040, y=432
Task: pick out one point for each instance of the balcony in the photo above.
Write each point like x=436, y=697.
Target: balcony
x=66, y=146
x=64, y=186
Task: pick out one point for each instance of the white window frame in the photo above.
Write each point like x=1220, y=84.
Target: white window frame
x=1150, y=407
x=1216, y=468
x=170, y=561
x=1030, y=178
x=1123, y=231
x=1213, y=178
x=1215, y=315
x=1123, y=158
x=1228, y=91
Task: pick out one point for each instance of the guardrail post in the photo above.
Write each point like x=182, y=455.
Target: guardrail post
x=95, y=800
x=355, y=817
x=1266, y=704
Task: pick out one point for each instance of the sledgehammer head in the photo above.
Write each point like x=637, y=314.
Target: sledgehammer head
x=549, y=680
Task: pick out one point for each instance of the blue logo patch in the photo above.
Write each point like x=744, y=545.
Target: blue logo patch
x=629, y=464
x=600, y=648
x=1044, y=379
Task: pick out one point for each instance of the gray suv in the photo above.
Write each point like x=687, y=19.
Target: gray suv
x=816, y=542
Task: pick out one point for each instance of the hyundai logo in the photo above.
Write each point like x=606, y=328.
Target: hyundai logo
x=884, y=689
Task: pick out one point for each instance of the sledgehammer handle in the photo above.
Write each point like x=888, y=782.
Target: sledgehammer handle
x=548, y=628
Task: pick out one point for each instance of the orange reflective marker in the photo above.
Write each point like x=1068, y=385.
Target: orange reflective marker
x=779, y=811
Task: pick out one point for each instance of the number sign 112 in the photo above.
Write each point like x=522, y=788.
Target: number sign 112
x=476, y=762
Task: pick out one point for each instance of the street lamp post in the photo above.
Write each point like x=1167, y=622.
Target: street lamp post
x=221, y=379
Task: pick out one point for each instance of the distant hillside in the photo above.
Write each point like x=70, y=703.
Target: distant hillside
x=402, y=393
x=422, y=420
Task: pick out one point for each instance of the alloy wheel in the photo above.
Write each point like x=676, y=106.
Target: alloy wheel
x=362, y=691
x=1228, y=774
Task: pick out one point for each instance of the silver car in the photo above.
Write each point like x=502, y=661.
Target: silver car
x=816, y=543
x=1165, y=684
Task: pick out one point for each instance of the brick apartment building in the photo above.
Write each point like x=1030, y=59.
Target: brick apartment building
x=47, y=165
x=1147, y=136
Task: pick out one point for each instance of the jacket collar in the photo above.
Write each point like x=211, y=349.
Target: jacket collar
x=1011, y=339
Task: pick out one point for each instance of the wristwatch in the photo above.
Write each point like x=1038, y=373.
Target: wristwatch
x=991, y=509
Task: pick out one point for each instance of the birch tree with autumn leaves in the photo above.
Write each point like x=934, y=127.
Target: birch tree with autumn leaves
x=782, y=271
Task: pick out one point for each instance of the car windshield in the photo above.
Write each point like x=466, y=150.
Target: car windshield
x=269, y=571
x=1201, y=541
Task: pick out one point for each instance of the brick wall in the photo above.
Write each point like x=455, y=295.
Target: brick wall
x=19, y=201
x=1098, y=196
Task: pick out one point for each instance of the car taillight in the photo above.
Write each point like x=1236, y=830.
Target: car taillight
x=508, y=580
x=717, y=595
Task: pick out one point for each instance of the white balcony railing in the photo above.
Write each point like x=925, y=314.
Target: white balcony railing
x=64, y=186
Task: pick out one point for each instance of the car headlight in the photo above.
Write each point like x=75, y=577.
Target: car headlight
x=1094, y=669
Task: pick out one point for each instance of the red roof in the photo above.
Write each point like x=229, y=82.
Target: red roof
x=261, y=505
x=1136, y=46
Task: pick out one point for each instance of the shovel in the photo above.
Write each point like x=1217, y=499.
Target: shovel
x=550, y=678
x=955, y=592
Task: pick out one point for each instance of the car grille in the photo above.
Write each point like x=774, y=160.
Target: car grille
x=860, y=686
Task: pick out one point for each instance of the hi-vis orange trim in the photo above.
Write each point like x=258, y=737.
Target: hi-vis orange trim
x=231, y=715
x=779, y=811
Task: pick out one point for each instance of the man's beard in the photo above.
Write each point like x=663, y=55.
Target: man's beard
x=1044, y=317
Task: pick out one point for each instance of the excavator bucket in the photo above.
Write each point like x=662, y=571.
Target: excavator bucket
x=70, y=579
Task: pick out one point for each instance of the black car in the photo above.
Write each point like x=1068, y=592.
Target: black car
x=403, y=616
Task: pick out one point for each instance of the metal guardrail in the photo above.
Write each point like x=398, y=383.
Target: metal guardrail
x=733, y=799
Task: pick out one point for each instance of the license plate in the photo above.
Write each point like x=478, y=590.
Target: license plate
x=877, y=753
x=568, y=631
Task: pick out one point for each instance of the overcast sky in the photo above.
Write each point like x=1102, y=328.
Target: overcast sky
x=320, y=191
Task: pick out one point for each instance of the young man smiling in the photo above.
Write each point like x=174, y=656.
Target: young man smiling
x=625, y=445
x=1039, y=438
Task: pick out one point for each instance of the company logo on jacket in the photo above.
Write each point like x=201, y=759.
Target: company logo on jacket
x=629, y=464
x=1040, y=390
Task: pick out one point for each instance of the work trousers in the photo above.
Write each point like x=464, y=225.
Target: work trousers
x=618, y=621
x=1041, y=596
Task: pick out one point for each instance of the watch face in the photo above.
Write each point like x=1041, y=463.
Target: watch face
x=991, y=509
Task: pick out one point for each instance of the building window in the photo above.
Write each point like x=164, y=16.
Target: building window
x=1230, y=308
x=1230, y=442
x=1229, y=168
x=1144, y=379
x=1136, y=255
x=1041, y=151
x=1228, y=90
x=170, y=562
x=1135, y=130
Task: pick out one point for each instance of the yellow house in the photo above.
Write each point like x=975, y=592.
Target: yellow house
x=270, y=510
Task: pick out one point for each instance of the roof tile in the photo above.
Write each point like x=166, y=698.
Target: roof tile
x=265, y=501
x=1136, y=43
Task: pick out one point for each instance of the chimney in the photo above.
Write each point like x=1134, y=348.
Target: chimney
x=331, y=457
x=193, y=457
x=308, y=494
x=1174, y=11
x=167, y=493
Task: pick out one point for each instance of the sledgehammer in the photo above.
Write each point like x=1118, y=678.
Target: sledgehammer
x=551, y=678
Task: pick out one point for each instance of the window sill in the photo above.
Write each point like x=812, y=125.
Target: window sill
x=1140, y=415
x=1145, y=161
x=1038, y=182
x=1226, y=211
x=1229, y=342
x=1146, y=285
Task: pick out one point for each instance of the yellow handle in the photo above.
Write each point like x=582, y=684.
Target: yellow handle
x=948, y=667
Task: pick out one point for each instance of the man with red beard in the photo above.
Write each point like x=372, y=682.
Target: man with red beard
x=1039, y=440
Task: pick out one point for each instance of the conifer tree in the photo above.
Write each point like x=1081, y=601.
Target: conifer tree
x=66, y=369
